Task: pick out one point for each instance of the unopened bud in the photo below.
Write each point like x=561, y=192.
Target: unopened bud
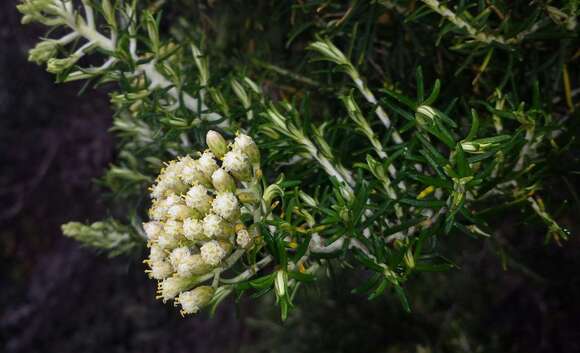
x=216, y=143
x=247, y=196
x=43, y=51
x=56, y=66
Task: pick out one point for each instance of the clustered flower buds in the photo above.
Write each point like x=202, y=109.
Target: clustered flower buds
x=195, y=218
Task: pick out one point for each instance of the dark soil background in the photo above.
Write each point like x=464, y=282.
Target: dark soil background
x=58, y=297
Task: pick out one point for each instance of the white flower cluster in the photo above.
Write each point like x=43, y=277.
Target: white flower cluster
x=195, y=218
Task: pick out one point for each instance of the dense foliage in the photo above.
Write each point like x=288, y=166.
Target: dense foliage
x=385, y=128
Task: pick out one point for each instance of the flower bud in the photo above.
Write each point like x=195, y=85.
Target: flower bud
x=247, y=196
x=56, y=66
x=223, y=181
x=194, y=300
x=425, y=115
x=43, y=51
x=216, y=143
x=247, y=145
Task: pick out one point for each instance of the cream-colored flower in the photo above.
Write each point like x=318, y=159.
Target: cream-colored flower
x=198, y=198
x=212, y=253
x=191, y=172
x=226, y=205
x=192, y=264
x=246, y=145
x=152, y=229
x=195, y=205
x=173, y=227
x=216, y=227
x=178, y=212
x=222, y=181
x=169, y=238
x=193, y=229
x=170, y=287
x=207, y=164
x=192, y=301
x=157, y=253
x=177, y=255
x=238, y=164
x=160, y=270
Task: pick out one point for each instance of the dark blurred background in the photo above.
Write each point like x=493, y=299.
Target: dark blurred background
x=58, y=297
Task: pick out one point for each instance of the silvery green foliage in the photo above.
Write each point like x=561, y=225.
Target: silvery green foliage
x=108, y=235
x=351, y=170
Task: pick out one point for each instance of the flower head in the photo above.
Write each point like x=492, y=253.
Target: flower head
x=226, y=205
x=192, y=301
x=237, y=163
x=195, y=213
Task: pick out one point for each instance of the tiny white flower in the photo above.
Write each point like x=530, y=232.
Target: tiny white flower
x=192, y=265
x=216, y=227
x=169, y=238
x=157, y=211
x=193, y=229
x=160, y=270
x=171, y=200
x=177, y=255
x=178, y=212
x=226, y=205
x=238, y=164
x=246, y=144
x=222, y=181
x=191, y=172
x=170, y=178
x=212, y=253
x=157, y=253
x=207, y=164
x=192, y=301
x=173, y=227
x=158, y=190
x=152, y=229
x=198, y=198
x=168, y=241
x=170, y=287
